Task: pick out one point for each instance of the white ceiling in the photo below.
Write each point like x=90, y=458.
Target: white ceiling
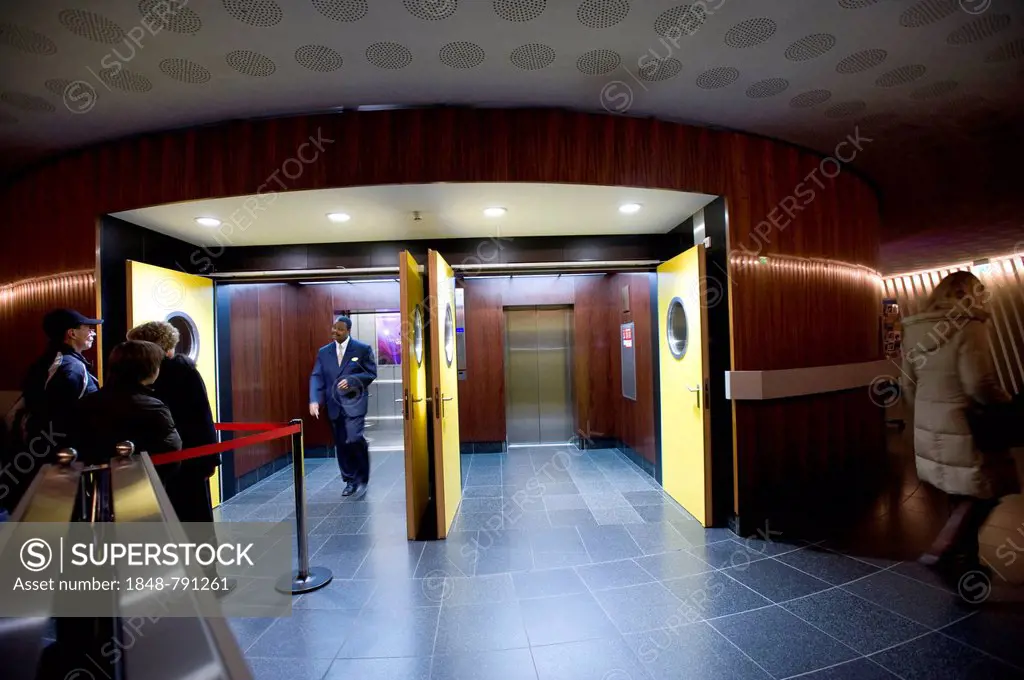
x=383, y=213
x=740, y=66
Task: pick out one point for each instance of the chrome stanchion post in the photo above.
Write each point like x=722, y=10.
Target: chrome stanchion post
x=305, y=579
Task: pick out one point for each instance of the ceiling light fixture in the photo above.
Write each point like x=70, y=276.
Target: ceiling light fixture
x=494, y=212
x=339, y=217
x=208, y=221
x=629, y=208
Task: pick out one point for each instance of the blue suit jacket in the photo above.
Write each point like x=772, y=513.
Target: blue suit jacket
x=357, y=366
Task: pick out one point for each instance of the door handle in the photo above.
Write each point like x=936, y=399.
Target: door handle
x=443, y=400
x=695, y=390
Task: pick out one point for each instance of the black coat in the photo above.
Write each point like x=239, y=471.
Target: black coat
x=180, y=386
x=123, y=412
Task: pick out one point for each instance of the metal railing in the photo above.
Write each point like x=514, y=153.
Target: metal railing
x=127, y=489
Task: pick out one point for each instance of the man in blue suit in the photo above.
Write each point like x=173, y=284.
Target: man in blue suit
x=341, y=377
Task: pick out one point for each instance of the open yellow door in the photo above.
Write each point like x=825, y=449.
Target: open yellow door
x=414, y=394
x=444, y=388
x=683, y=356
x=185, y=300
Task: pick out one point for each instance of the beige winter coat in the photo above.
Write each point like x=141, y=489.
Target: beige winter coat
x=947, y=365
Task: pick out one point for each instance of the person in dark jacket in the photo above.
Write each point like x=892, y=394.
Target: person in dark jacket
x=39, y=423
x=126, y=409
x=181, y=388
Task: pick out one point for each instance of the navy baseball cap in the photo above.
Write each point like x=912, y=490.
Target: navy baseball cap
x=57, y=322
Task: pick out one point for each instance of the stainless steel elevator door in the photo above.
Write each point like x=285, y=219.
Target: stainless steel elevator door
x=538, y=375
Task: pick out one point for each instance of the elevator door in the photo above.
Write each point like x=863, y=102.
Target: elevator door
x=538, y=375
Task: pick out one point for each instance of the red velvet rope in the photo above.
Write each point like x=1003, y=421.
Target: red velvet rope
x=210, y=449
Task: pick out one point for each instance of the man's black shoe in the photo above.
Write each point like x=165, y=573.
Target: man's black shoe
x=350, y=489
x=359, y=492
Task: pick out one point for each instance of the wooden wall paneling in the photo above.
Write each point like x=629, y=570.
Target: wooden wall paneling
x=246, y=379
x=316, y=307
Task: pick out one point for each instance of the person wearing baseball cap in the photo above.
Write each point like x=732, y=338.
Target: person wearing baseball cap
x=61, y=375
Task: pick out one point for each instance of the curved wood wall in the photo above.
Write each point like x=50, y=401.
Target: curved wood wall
x=49, y=222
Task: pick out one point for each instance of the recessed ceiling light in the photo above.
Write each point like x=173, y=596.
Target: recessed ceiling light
x=629, y=208
x=208, y=221
x=494, y=212
x=339, y=217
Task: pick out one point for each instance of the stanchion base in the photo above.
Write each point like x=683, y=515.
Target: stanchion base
x=318, y=577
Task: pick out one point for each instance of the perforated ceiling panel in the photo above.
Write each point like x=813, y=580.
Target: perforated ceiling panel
x=260, y=13
x=462, y=54
x=342, y=10
x=388, y=55
x=26, y=102
x=598, y=62
x=431, y=10
x=533, y=56
x=519, y=10
x=185, y=71
x=800, y=70
x=25, y=39
x=250, y=63
x=602, y=13
x=680, y=20
x=170, y=16
x=319, y=58
x=91, y=26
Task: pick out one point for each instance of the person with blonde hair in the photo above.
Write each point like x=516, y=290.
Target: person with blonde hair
x=950, y=382
x=181, y=387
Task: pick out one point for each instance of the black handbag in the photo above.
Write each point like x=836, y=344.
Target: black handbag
x=997, y=427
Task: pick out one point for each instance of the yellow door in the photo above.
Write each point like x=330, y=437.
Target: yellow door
x=157, y=294
x=414, y=394
x=683, y=356
x=444, y=390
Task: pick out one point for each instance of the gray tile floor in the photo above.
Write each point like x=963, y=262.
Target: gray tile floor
x=565, y=564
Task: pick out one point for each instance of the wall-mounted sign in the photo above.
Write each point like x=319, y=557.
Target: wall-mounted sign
x=628, y=352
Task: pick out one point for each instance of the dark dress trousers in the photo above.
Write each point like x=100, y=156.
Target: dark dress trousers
x=182, y=389
x=346, y=409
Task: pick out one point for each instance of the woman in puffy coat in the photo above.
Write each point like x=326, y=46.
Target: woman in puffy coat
x=948, y=375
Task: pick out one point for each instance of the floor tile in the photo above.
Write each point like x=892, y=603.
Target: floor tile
x=607, y=543
x=727, y=554
x=564, y=502
x=775, y=580
x=565, y=618
x=937, y=657
x=559, y=488
x=692, y=652
x=481, y=492
x=618, y=574
x=672, y=565
x=636, y=498
x=528, y=521
x=407, y=593
x=657, y=537
x=293, y=669
x=247, y=630
x=548, y=583
x=854, y=621
x=571, y=518
x=492, y=589
x=391, y=632
x=713, y=594
x=557, y=540
x=914, y=600
x=616, y=515
x=996, y=629
x=446, y=558
x=638, y=608
x=605, y=501
x=507, y=664
x=338, y=594
x=499, y=560
x=308, y=633
x=408, y=668
x=661, y=513
x=858, y=669
x=828, y=566
x=477, y=521
x=781, y=643
x=479, y=628
x=392, y=561
x=590, y=660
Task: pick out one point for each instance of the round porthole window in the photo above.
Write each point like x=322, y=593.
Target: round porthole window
x=449, y=335
x=677, y=328
x=417, y=335
x=188, y=342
